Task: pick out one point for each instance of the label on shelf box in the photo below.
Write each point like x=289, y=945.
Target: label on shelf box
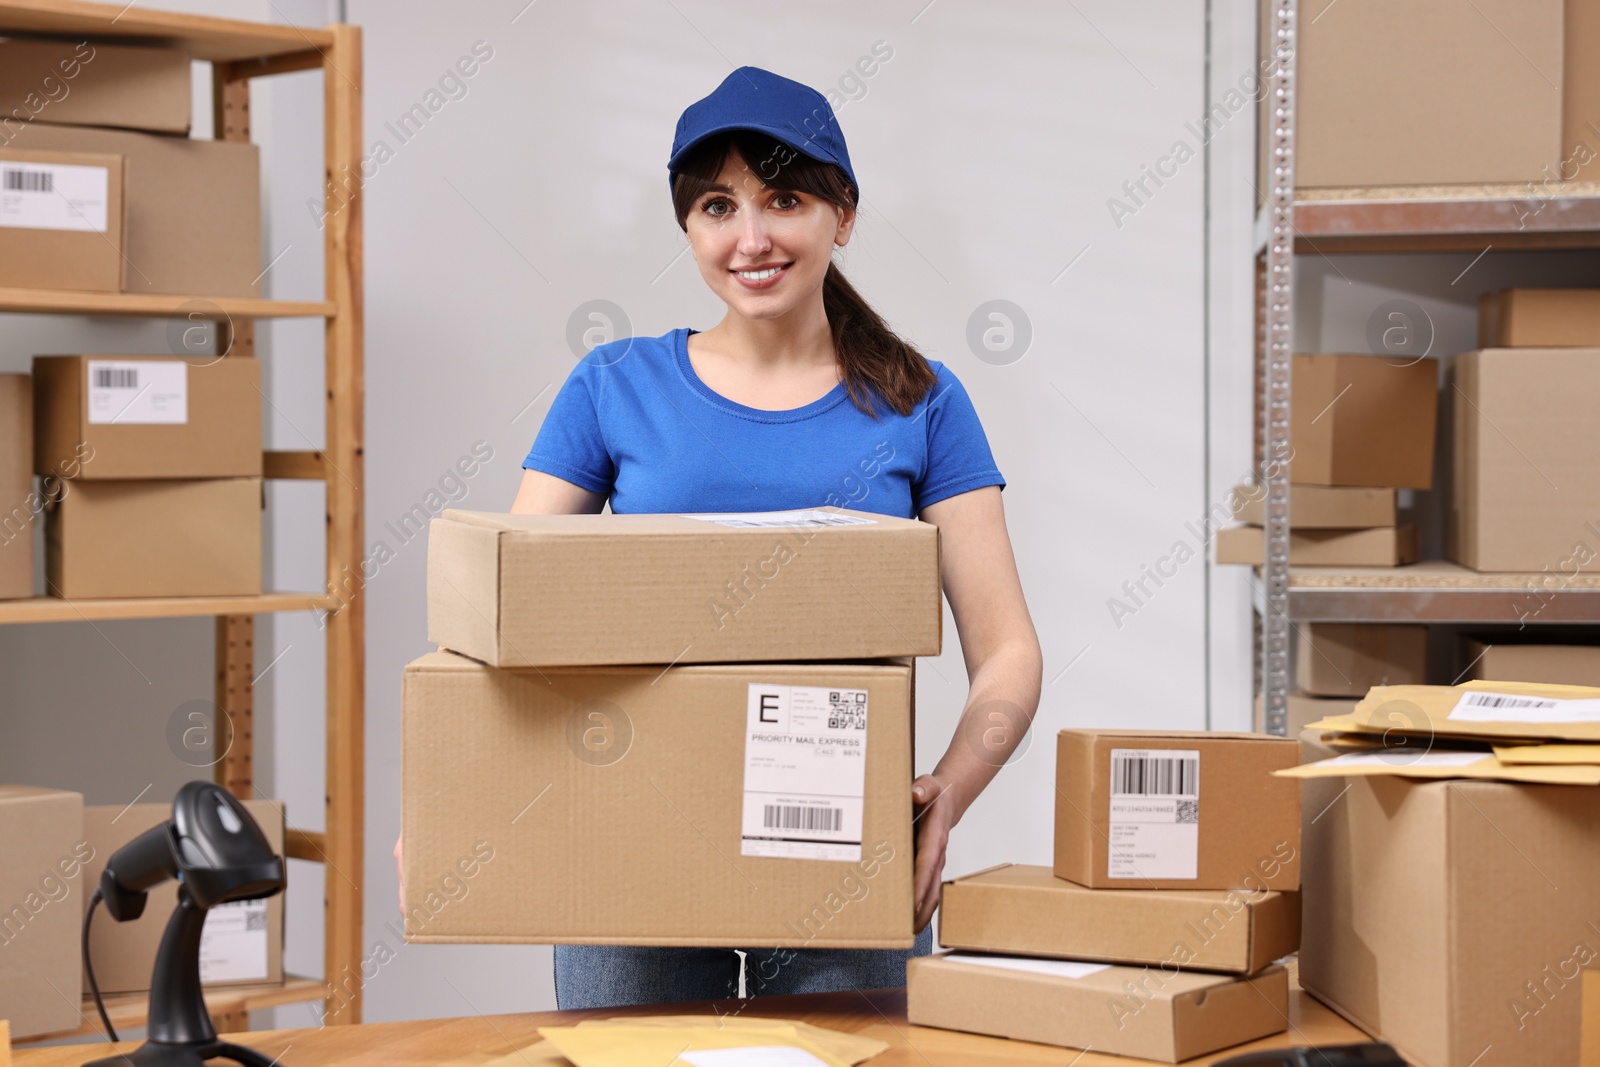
x=233, y=943
x=805, y=772
x=146, y=392
x=1154, y=814
x=54, y=196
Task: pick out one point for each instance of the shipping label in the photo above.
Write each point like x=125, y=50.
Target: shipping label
x=1154, y=814
x=127, y=392
x=1481, y=705
x=54, y=196
x=759, y=519
x=233, y=944
x=805, y=772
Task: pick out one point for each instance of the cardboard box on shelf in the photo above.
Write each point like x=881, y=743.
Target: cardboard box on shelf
x=1341, y=659
x=1553, y=663
x=41, y=838
x=78, y=83
x=1381, y=546
x=166, y=538
x=16, y=486
x=193, y=208
x=117, y=417
x=1304, y=709
x=63, y=219
x=1524, y=492
x=1028, y=911
x=523, y=590
x=764, y=804
x=1363, y=420
x=242, y=943
x=1155, y=809
x=1322, y=506
x=1127, y=1011
x=1580, y=94
x=1539, y=318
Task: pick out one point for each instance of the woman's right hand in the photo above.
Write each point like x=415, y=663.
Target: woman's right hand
x=400, y=868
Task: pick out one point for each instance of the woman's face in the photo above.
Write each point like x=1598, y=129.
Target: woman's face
x=762, y=251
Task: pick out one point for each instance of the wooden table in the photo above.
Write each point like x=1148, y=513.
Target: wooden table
x=464, y=1042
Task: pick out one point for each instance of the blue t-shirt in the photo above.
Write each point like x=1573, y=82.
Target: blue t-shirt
x=635, y=422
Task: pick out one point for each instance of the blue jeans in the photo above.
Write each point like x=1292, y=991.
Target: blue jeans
x=609, y=976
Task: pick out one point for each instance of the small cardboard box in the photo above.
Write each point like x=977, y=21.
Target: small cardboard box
x=816, y=584
x=1539, y=318
x=1028, y=911
x=1340, y=659
x=62, y=220
x=242, y=943
x=1381, y=546
x=41, y=838
x=16, y=486
x=193, y=207
x=1155, y=809
x=1363, y=420
x=725, y=804
x=147, y=417
x=1329, y=507
x=1303, y=709
x=168, y=538
x=1154, y=1014
x=1555, y=664
x=1524, y=492
x=76, y=83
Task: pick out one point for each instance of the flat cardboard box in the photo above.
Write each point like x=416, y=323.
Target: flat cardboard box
x=1303, y=709
x=76, y=83
x=1524, y=492
x=242, y=945
x=41, y=838
x=1341, y=659
x=16, y=484
x=167, y=538
x=63, y=219
x=147, y=417
x=1447, y=917
x=1381, y=546
x=1196, y=810
x=1363, y=420
x=1028, y=911
x=1556, y=664
x=1539, y=318
x=1150, y=1013
x=1329, y=507
x=193, y=207
x=815, y=584
x=609, y=805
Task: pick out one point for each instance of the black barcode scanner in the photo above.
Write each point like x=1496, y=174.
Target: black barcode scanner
x=218, y=854
x=1374, y=1054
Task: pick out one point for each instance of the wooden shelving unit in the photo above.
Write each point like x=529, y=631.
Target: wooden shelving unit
x=240, y=51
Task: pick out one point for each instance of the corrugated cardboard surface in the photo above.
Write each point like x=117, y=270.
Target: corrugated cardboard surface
x=1249, y=821
x=1557, y=664
x=1028, y=911
x=1381, y=546
x=1363, y=420
x=69, y=259
x=221, y=439
x=518, y=590
x=1539, y=318
x=1127, y=1011
x=193, y=207
x=124, y=953
x=1449, y=917
x=41, y=907
x=1321, y=506
x=1304, y=709
x=1525, y=493
x=1339, y=659
x=81, y=84
x=16, y=484
x=635, y=841
x=1580, y=95
x=175, y=537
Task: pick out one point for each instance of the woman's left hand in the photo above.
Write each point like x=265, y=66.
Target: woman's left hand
x=932, y=821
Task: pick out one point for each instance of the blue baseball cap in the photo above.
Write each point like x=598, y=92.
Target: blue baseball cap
x=754, y=99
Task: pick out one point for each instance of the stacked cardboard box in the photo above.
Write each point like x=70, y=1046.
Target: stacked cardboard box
x=17, y=512
x=1527, y=661
x=41, y=840
x=717, y=705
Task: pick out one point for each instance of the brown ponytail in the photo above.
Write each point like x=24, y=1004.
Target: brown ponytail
x=874, y=360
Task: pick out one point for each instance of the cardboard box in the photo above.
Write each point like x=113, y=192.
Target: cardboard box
x=63, y=220
x=76, y=83
x=1321, y=506
x=1126, y=1011
x=1580, y=94
x=41, y=838
x=1363, y=420
x=16, y=486
x=1028, y=911
x=1381, y=546
x=1339, y=659
x=1525, y=495
x=170, y=538
x=816, y=584
x=613, y=805
x=193, y=207
x=1303, y=709
x=1556, y=664
x=242, y=943
x=147, y=417
x=1589, y=1051
x=1155, y=809
x=1448, y=916
x=1539, y=318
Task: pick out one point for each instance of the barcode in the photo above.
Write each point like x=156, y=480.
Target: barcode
x=29, y=181
x=1155, y=776
x=794, y=817
x=1496, y=700
x=116, y=377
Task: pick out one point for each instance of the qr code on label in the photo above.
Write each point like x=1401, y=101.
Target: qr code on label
x=1188, y=811
x=256, y=919
x=847, y=709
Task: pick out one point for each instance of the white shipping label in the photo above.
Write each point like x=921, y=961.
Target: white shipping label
x=146, y=392
x=1480, y=705
x=805, y=772
x=233, y=944
x=754, y=1056
x=782, y=518
x=1155, y=814
x=54, y=196
x=1054, y=968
